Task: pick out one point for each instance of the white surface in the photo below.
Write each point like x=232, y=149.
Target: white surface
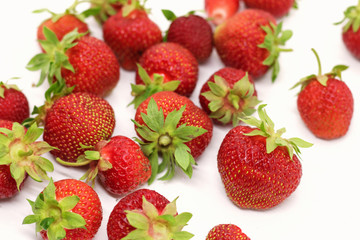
x=326, y=203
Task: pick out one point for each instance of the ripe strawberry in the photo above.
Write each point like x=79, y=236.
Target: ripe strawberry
x=146, y=214
x=129, y=33
x=175, y=127
x=66, y=209
x=251, y=41
x=257, y=166
x=21, y=156
x=14, y=105
x=220, y=10
x=227, y=95
x=81, y=61
x=226, y=232
x=191, y=31
x=278, y=8
x=325, y=103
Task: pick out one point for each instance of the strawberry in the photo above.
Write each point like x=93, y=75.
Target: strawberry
x=21, y=156
x=146, y=214
x=226, y=232
x=14, y=105
x=66, y=209
x=81, y=61
x=228, y=94
x=191, y=31
x=129, y=33
x=325, y=103
x=220, y=10
x=278, y=8
x=257, y=166
x=251, y=41
x=172, y=125
x=119, y=163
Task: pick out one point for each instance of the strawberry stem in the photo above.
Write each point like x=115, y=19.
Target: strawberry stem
x=318, y=61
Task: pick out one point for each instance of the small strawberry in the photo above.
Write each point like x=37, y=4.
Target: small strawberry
x=220, y=10
x=251, y=41
x=66, y=209
x=191, y=31
x=119, y=163
x=21, y=156
x=129, y=33
x=325, y=103
x=81, y=61
x=226, y=232
x=14, y=105
x=278, y=8
x=257, y=166
x=227, y=95
x=146, y=214
x=173, y=126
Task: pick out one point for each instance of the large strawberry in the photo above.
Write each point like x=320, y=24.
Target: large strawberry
x=146, y=214
x=228, y=94
x=20, y=157
x=81, y=61
x=257, y=166
x=173, y=126
x=325, y=103
x=191, y=31
x=251, y=40
x=226, y=232
x=278, y=8
x=129, y=33
x=220, y=10
x=14, y=105
x=66, y=209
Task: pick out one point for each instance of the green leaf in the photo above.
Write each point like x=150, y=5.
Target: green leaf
x=72, y=220
x=300, y=143
x=187, y=133
x=217, y=88
x=154, y=118
x=46, y=223
x=183, y=218
x=143, y=75
x=50, y=36
x=68, y=203
x=137, y=220
x=173, y=119
x=183, y=235
x=149, y=209
x=30, y=219
x=32, y=134
x=49, y=191
x=92, y=155
x=169, y=15
x=182, y=157
x=56, y=232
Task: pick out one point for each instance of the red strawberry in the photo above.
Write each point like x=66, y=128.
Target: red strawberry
x=251, y=41
x=129, y=33
x=173, y=126
x=325, y=103
x=278, y=8
x=81, y=61
x=14, y=105
x=191, y=31
x=67, y=209
x=147, y=208
x=226, y=232
x=221, y=10
x=21, y=156
x=227, y=95
x=257, y=166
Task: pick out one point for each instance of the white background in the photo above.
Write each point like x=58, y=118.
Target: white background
x=326, y=205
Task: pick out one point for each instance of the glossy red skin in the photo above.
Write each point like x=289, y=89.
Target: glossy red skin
x=278, y=8
x=220, y=10
x=89, y=207
x=192, y=116
x=130, y=167
x=174, y=62
x=326, y=111
x=352, y=41
x=96, y=68
x=194, y=33
x=237, y=39
x=77, y=118
x=253, y=178
x=130, y=36
x=14, y=106
x=118, y=225
x=226, y=232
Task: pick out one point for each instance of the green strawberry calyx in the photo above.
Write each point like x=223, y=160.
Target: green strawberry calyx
x=275, y=37
x=129, y=7
x=21, y=151
x=150, y=223
x=352, y=16
x=265, y=127
x=5, y=85
x=54, y=216
x=103, y=8
x=164, y=136
x=321, y=78
x=152, y=85
x=229, y=104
